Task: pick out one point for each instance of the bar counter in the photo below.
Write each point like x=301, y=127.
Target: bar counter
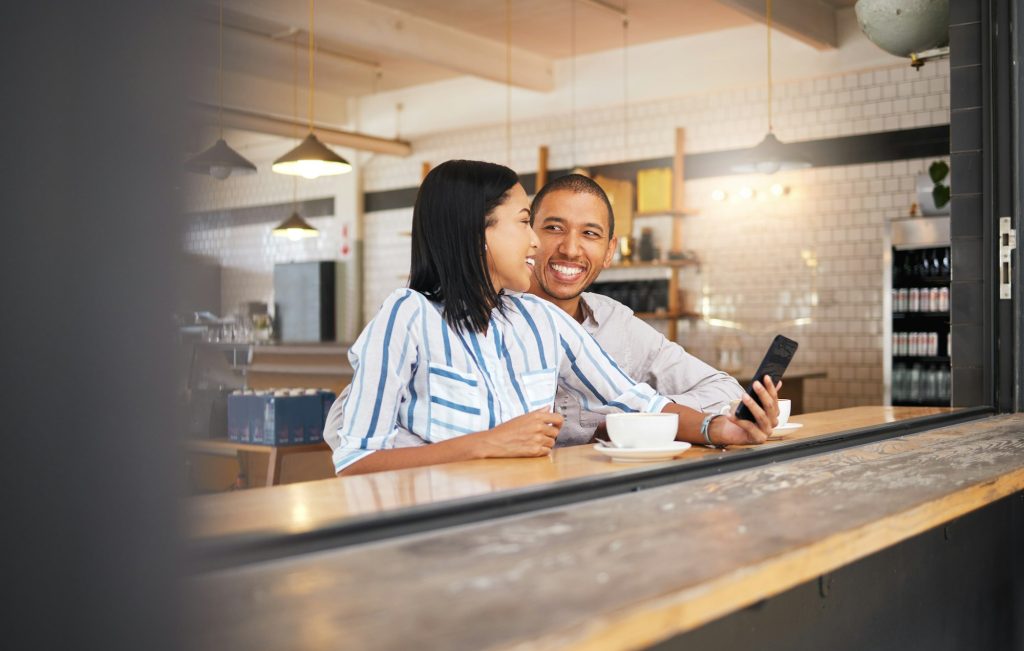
x=632, y=570
x=310, y=506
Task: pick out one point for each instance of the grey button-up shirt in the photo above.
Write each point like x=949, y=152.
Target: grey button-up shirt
x=646, y=356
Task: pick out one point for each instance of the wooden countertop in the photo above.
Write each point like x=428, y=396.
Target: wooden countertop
x=621, y=572
x=304, y=507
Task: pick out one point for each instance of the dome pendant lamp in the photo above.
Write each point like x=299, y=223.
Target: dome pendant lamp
x=220, y=161
x=311, y=158
x=295, y=228
x=769, y=155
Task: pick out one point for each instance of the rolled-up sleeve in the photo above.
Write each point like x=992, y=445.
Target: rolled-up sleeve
x=364, y=418
x=595, y=378
x=675, y=373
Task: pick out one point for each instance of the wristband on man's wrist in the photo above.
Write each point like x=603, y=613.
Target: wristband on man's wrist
x=705, y=430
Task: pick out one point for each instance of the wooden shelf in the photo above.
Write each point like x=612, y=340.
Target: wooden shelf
x=666, y=213
x=225, y=446
x=931, y=281
x=914, y=315
x=656, y=264
x=667, y=315
x=301, y=369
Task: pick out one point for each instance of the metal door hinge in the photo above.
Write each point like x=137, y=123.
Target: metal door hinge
x=1007, y=243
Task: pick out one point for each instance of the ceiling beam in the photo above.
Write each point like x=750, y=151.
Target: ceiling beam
x=237, y=25
x=277, y=126
x=393, y=33
x=810, y=21
x=268, y=96
x=278, y=60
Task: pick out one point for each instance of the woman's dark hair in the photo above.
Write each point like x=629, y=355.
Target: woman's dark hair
x=449, y=220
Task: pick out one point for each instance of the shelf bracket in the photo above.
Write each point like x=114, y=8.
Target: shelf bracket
x=1007, y=243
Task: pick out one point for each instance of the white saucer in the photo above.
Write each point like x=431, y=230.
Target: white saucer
x=661, y=453
x=779, y=432
x=788, y=427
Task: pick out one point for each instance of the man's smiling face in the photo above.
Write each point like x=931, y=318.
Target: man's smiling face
x=574, y=246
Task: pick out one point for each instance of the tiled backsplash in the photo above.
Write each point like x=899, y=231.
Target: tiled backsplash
x=809, y=265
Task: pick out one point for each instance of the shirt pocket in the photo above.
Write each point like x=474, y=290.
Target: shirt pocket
x=455, y=404
x=539, y=387
x=590, y=420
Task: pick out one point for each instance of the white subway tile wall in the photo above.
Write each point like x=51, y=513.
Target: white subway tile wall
x=247, y=253
x=809, y=265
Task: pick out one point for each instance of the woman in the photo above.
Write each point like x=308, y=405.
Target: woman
x=461, y=366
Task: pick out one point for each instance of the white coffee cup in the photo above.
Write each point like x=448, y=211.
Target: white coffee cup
x=785, y=406
x=642, y=430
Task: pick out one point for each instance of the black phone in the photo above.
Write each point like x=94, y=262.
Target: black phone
x=774, y=364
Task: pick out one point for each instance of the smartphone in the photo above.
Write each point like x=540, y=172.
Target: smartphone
x=774, y=364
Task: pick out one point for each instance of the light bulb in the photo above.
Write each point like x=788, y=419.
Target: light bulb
x=220, y=171
x=746, y=192
x=778, y=190
x=719, y=195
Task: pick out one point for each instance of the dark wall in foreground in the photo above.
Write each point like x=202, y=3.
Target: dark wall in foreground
x=87, y=243
x=955, y=588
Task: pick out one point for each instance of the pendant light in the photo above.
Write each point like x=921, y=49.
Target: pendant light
x=295, y=227
x=769, y=155
x=312, y=158
x=220, y=161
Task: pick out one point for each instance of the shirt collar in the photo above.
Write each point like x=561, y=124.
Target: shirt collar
x=589, y=316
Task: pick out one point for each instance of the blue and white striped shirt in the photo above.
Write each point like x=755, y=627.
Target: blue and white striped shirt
x=416, y=380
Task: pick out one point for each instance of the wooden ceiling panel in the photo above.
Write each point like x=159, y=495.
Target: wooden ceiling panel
x=544, y=26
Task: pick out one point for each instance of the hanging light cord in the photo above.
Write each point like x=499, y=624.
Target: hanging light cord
x=572, y=95
x=295, y=113
x=625, y=80
x=295, y=86
x=768, y=22
x=508, y=82
x=311, y=65
x=220, y=69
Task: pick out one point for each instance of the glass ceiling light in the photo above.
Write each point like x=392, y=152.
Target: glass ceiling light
x=220, y=160
x=769, y=155
x=312, y=158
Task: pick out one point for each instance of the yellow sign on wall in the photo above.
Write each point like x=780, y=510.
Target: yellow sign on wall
x=654, y=190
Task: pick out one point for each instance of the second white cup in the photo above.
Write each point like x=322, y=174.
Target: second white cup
x=785, y=405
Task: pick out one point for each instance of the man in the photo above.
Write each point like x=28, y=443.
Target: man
x=576, y=226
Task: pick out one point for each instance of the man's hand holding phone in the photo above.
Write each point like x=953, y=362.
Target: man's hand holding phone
x=731, y=430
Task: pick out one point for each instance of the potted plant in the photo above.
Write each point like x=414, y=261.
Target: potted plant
x=933, y=191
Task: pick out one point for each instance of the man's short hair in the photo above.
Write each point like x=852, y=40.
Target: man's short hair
x=579, y=184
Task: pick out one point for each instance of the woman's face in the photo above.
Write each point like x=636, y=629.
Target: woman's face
x=511, y=243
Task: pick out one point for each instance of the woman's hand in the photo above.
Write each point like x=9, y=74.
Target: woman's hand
x=530, y=435
x=729, y=430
